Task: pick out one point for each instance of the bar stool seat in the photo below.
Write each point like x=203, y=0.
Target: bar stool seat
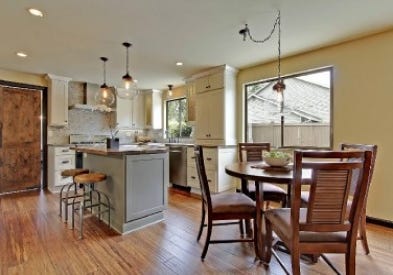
x=65, y=198
x=91, y=198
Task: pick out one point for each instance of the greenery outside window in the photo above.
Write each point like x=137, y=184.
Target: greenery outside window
x=176, y=119
x=307, y=111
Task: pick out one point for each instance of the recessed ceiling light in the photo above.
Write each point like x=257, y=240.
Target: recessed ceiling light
x=21, y=54
x=179, y=63
x=36, y=12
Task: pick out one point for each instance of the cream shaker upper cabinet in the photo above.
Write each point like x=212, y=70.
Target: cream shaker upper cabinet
x=216, y=106
x=153, y=109
x=210, y=82
x=130, y=113
x=57, y=100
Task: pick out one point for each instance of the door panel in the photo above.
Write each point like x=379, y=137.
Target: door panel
x=20, y=139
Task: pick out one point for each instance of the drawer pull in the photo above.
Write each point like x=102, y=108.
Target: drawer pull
x=209, y=180
x=193, y=177
x=65, y=150
x=65, y=161
x=193, y=157
x=208, y=158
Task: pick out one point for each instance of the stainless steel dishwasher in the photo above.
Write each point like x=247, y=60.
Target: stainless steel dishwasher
x=178, y=164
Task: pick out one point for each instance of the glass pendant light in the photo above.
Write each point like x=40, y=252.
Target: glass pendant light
x=170, y=90
x=130, y=90
x=104, y=96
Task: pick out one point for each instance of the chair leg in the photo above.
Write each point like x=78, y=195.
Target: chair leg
x=207, y=242
x=350, y=263
x=202, y=223
x=362, y=233
x=284, y=201
x=268, y=240
x=295, y=261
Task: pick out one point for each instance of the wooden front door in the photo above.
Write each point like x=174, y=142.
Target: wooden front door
x=20, y=139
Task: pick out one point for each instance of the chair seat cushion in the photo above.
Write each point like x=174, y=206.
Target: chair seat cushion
x=281, y=219
x=232, y=203
x=267, y=187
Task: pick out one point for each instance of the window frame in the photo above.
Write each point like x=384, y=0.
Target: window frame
x=282, y=123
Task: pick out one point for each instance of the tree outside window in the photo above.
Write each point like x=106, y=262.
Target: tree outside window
x=176, y=119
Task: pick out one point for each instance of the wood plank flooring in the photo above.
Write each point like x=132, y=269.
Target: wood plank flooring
x=33, y=240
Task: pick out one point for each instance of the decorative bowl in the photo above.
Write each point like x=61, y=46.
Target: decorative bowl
x=276, y=158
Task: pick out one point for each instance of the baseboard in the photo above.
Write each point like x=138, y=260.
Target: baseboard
x=377, y=221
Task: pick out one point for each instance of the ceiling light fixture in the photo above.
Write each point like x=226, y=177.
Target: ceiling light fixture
x=279, y=86
x=170, y=90
x=104, y=96
x=36, y=12
x=130, y=90
x=179, y=63
x=21, y=54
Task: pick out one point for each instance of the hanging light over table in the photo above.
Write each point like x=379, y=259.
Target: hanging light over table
x=170, y=90
x=104, y=96
x=130, y=90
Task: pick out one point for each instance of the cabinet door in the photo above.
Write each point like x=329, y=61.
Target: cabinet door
x=210, y=82
x=124, y=112
x=58, y=102
x=210, y=115
x=138, y=112
x=202, y=116
x=216, y=114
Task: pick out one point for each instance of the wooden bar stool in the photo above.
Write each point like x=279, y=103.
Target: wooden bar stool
x=90, y=199
x=67, y=196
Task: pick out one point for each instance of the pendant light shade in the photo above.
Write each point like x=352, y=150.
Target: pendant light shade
x=130, y=90
x=104, y=96
x=170, y=93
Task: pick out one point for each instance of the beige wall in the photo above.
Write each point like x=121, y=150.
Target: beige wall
x=363, y=103
x=25, y=78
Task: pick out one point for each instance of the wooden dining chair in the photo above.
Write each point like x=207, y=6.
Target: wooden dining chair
x=362, y=227
x=326, y=225
x=253, y=152
x=224, y=206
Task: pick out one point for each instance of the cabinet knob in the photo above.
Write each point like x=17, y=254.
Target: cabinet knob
x=193, y=157
x=65, y=161
x=193, y=177
x=208, y=158
x=209, y=180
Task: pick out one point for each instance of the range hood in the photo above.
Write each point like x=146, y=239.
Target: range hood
x=88, y=103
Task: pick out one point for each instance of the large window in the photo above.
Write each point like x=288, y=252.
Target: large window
x=176, y=118
x=304, y=119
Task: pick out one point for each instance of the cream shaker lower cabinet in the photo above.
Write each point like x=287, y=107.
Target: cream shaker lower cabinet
x=59, y=158
x=215, y=158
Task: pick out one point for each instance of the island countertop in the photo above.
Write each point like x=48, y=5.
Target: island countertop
x=130, y=149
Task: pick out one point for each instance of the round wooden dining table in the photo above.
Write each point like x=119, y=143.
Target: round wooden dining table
x=260, y=172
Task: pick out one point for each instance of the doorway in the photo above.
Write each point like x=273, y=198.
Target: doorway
x=22, y=151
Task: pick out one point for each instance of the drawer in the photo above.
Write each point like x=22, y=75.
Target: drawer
x=63, y=151
x=60, y=181
x=192, y=177
x=210, y=158
x=190, y=157
x=63, y=162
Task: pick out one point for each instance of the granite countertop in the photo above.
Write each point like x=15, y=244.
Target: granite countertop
x=131, y=149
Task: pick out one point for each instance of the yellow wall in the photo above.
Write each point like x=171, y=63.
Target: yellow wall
x=25, y=78
x=362, y=107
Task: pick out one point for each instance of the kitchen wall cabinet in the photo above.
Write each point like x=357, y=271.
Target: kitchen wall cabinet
x=215, y=106
x=57, y=100
x=130, y=113
x=153, y=109
x=215, y=159
x=59, y=158
x=191, y=99
x=210, y=82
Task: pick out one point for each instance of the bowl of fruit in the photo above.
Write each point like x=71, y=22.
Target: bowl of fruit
x=276, y=158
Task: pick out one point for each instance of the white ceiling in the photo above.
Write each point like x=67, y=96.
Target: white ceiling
x=72, y=36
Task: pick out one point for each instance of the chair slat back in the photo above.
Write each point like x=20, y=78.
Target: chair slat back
x=330, y=184
x=252, y=151
x=204, y=184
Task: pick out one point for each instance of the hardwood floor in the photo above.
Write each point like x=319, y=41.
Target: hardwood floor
x=33, y=240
